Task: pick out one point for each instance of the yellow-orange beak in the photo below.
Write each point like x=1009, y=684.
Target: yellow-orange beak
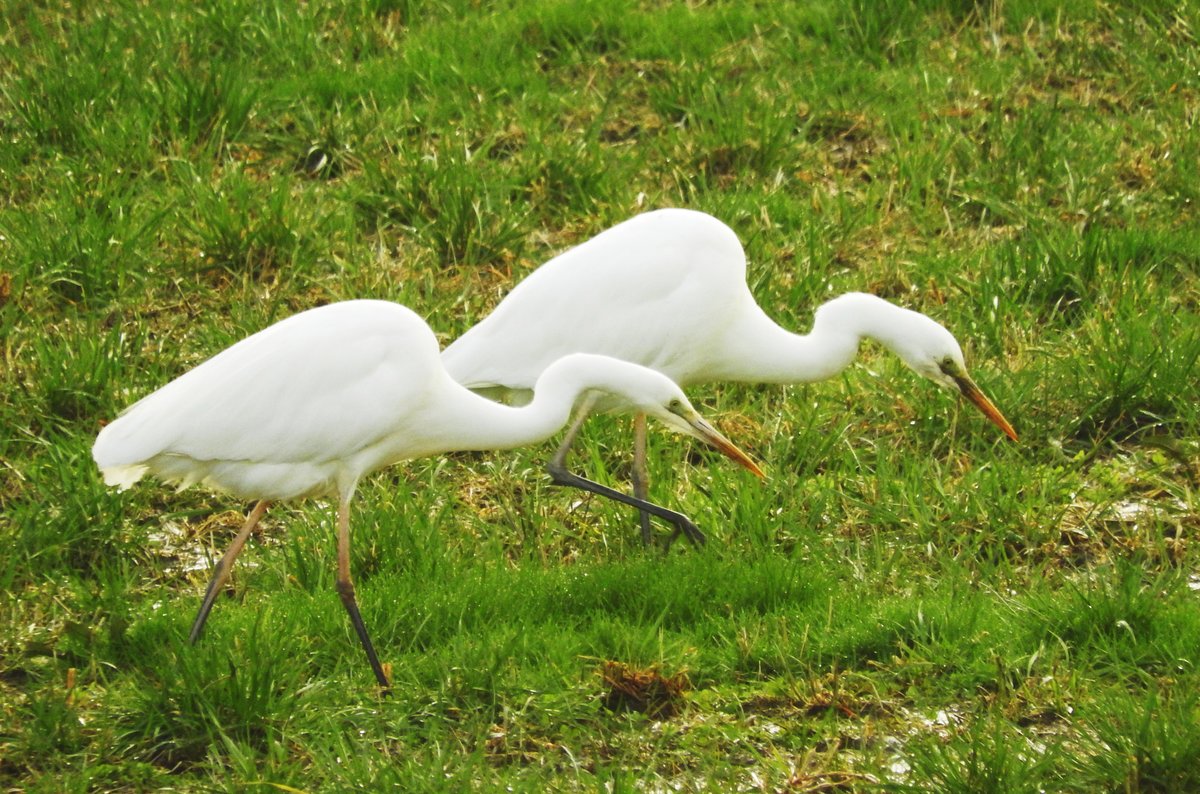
x=973, y=393
x=711, y=436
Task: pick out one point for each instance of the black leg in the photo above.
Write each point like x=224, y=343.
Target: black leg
x=224, y=566
x=561, y=476
x=345, y=590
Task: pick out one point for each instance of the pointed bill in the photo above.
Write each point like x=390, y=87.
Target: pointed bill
x=713, y=437
x=973, y=393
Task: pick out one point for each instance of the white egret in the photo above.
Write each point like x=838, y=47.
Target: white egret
x=309, y=405
x=667, y=289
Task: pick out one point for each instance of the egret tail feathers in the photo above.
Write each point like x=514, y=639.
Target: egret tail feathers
x=123, y=477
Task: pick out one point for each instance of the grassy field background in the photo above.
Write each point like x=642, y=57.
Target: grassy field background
x=909, y=602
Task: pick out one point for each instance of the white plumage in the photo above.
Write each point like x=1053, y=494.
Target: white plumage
x=309, y=405
x=667, y=289
x=289, y=411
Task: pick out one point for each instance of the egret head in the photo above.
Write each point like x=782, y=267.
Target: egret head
x=678, y=414
x=933, y=352
x=928, y=349
x=652, y=393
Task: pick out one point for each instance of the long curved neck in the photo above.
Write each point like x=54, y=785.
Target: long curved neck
x=484, y=424
x=762, y=352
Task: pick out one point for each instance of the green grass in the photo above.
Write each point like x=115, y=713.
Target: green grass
x=908, y=603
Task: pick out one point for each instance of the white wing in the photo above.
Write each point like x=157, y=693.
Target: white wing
x=651, y=290
x=317, y=386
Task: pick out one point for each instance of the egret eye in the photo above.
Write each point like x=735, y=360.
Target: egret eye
x=675, y=406
x=947, y=366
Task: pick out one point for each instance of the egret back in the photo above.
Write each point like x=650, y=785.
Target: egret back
x=288, y=411
x=654, y=290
